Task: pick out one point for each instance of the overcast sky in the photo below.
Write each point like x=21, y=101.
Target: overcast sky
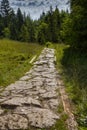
x=36, y=7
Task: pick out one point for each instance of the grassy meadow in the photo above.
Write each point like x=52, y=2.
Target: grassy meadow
x=14, y=59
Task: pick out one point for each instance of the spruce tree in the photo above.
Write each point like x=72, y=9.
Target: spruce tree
x=79, y=23
x=20, y=21
x=42, y=33
x=24, y=35
x=5, y=11
x=1, y=26
x=5, y=8
x=13, y=27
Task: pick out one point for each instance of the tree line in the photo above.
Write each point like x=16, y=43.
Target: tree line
x=15, y=26
x=18, y=26
x=53, y=26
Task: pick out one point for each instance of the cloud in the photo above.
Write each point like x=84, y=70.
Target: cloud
x=36, y=7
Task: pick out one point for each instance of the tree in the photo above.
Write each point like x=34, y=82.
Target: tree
x=42, y=33
x=52, y=18
x=1, y=26
x=5, y=8
x=32, y=32
x=79, y=23
x=66, y=31
x=56, y=26
x=13, y=27
x=24, y=35
x=20, y=22
x=5, y=11
x=31, y=28
x=6, y=33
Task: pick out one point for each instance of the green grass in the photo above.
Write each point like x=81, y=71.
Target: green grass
x=75, y=69
x=14, y=59
x=72, y=65
x=60, y=124
x=82, y=128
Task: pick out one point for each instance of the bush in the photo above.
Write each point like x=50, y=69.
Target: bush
x=48, y=44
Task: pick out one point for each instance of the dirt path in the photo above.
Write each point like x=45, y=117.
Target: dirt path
x=71, y=122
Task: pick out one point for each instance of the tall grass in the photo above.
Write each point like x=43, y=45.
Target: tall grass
x=14, y=59
x=73, y=68
x=72, y=65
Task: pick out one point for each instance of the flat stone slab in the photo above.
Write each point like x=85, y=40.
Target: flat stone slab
x=38, y=117
x=32, y=101
x=49, y=95
x=19, y=101
x=13, y=122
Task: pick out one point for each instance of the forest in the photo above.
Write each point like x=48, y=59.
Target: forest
x=58, y=28
x=53, y=26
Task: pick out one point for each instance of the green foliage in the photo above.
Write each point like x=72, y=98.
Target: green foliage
x=72, y=65
x=75, y=75
x=6, y=33
x=79, y=23
x=24, y=36
x=14, y=59
x=59, y=54
x=82, y=128
x=47, y=28
x=49, y=44
x=60, y=124
x=52, y=20
x=65, y=31
x=42, y=33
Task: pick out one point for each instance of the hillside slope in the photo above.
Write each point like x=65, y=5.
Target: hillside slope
x=15, y=58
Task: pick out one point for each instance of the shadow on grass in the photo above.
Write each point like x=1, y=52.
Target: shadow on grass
x=74, y=64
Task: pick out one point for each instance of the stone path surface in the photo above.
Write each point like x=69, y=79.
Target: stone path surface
x=32, y=101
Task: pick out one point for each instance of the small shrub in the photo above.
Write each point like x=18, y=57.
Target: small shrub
x=48, y=44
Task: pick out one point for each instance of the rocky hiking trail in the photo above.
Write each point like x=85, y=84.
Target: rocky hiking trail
x=32, y=102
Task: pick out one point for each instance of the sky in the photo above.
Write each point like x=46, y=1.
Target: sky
x=36, y=7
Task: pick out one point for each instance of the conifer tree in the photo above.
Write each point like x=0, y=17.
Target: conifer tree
x=79, y=23
x=42, y=33
x=5, y=8
x=20, y=21
x=24, y=35
x=5, y=11
x=13, y=27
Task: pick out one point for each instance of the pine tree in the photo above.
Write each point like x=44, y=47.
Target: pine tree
x=13, y=27
x=31, y=28
x=56, y=26
x=24, y=35
x=5, y=11
x=5, y=8
x=79, y=23
x=42, y=33
x=1, y=26
x=20, y=22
